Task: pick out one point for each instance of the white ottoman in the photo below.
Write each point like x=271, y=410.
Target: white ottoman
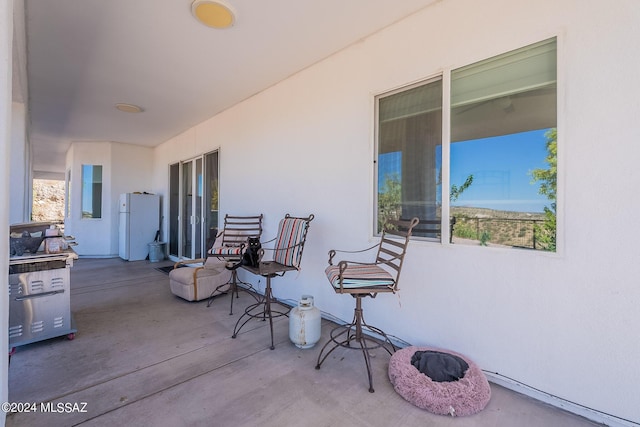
x=197, y=283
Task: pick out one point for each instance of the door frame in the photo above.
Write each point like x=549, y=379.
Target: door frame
x=197, y=224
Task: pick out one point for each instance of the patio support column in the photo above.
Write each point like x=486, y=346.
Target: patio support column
x=6, y=38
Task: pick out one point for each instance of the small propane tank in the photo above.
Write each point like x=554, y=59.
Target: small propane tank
x=304, y=323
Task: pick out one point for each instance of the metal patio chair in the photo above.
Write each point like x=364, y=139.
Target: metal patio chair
x=287, y=255
x=361, y=280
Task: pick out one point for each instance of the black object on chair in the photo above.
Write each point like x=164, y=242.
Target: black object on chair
x=367, y=280
x=287, y=255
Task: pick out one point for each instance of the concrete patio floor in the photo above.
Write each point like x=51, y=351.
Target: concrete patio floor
x=144, y=357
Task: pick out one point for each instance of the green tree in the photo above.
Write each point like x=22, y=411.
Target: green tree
x=545, y=234
x=389, y=198
x=457, y=191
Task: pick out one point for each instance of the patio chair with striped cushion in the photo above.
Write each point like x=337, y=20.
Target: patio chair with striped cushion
x=287, y=255
x=361, y=280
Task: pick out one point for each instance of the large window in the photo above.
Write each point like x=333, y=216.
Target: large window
x=501, y=152
x=91, y=191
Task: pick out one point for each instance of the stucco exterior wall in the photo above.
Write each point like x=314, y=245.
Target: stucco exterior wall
x=92, y=234
x=19, y=177
x=132, y=171
x=6, y=32
x=125, y=168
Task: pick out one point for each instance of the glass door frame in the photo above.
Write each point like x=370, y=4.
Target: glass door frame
x=191, y=224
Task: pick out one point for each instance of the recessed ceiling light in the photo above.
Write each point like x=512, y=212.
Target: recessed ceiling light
x=129, y=108
x=214, y=14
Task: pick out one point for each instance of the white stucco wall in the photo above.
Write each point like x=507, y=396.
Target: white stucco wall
x=563, y=323
x=125, y=168
x=19, y=179
x=20, y=185
x=92, y=234
x=6, y=32
x=132, y=171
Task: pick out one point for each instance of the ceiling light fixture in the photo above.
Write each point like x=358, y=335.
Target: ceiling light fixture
x=129, y=108
x=214, y=14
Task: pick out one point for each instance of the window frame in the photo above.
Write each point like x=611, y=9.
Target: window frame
x=377, y=97
x=445, y=74
x=93, y=196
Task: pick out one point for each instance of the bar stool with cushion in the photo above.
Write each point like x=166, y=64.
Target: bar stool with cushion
x=367, y=280
x=287, y=255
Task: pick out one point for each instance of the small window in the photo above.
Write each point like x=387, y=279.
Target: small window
x=409, y=156
x=91, y=191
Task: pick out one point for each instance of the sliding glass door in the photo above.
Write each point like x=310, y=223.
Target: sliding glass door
x=193, y=206
x=210, y=201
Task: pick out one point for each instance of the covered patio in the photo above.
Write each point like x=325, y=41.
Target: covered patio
x=283, y=109
x=145, y=357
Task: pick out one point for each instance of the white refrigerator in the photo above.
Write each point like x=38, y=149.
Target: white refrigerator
x=139, y=222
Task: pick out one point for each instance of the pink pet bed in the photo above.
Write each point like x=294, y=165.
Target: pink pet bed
x=465, y=396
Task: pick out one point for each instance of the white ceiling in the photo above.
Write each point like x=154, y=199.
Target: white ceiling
x=84, y=56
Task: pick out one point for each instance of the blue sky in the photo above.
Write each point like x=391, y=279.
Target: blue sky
x=501, y=171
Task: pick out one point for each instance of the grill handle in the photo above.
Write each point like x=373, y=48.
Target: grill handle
x=39, y=295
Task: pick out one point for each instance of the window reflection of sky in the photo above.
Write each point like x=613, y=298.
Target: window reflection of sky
x=500, y=167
